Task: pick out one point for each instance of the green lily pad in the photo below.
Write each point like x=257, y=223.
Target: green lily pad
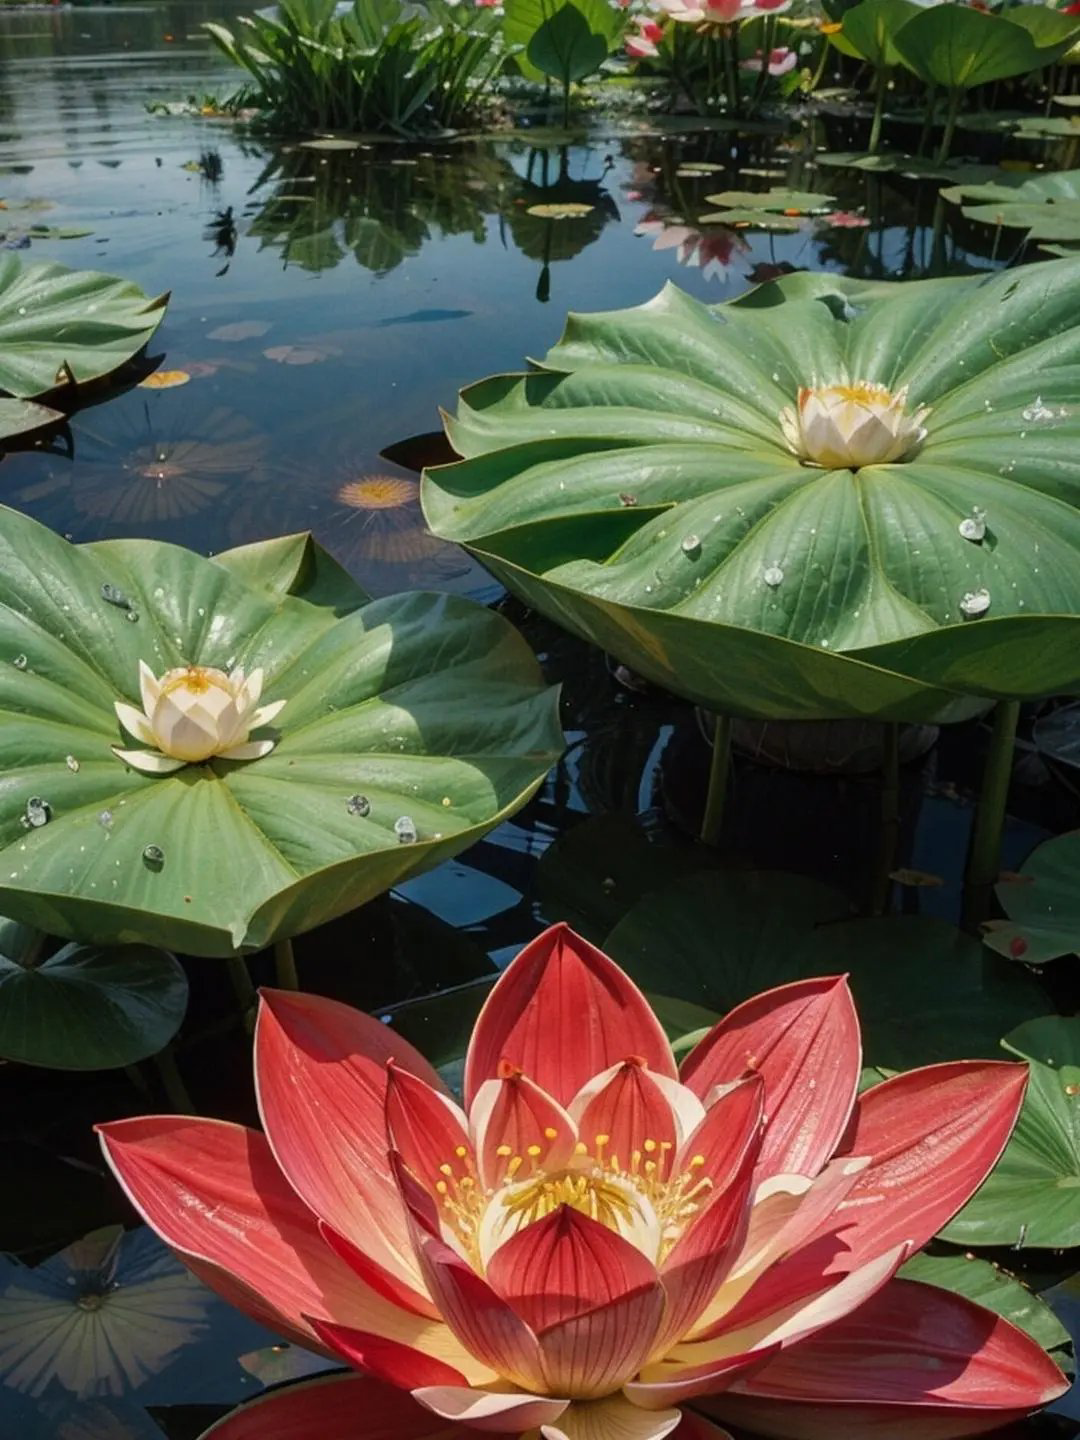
x=868, y=29
x=420, y=708
x=806, y=202
x=61, y=326
x=913, y=167
x=86, y=1008
x=755, y=219
x=957, y=47
x=924, y=991
x=1046, y=206
x=994, y=1288
x=22, y=417
x=1031, y=1197
x=1043, y=905
x=638, y=489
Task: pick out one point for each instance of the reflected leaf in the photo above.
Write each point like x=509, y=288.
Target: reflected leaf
x=300, y=354
x=240, y=330
x=165, y=380
x=556, y=210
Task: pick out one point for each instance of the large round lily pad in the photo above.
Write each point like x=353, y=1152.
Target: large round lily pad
x=638, y=489
x=1042, y=903
x=1032, y=1197
x=422, y=709
x=61, y=327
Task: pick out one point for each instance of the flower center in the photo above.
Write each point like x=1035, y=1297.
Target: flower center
x=196, y=680
x=640, y=1197
x=852, y=424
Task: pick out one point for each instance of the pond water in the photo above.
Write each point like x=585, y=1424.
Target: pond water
x=325, y=304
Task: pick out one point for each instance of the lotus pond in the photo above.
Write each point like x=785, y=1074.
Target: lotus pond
x=774, y=752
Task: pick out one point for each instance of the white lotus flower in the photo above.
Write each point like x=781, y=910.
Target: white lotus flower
x=843, y=427
x=193, y=713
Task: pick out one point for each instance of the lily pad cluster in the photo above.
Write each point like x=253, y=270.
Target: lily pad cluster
x=62, y=329
x=638, y=487
x=412, y=725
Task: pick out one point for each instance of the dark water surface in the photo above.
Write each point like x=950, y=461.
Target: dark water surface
x=325, y=303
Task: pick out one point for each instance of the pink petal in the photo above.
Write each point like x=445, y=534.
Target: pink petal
x=624, y=1113
x=387, y=1360
x=484, y=1323
x=374, y=1275
x=511, y=1118
x=214, y=1194
x=914, y=1361
x=804, y=1040
x=320, y=1071
x=326, y=1409
x=933, y=1136
x=733, y=1123
x=562, y=1012
x=427, y=1129
x=617, y=1419
x=593, y=1354
x=565, y=1265
x=482, y=1410
x=691, y=1382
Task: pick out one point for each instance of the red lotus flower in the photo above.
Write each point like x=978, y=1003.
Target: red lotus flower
x=596, y=1241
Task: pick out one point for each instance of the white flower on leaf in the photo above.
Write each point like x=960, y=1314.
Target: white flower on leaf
x=843, y=427
x=192, y=714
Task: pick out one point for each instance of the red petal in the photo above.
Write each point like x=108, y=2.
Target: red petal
x=628, y=1116
x=565, y=1265
x=512, y=1115
x=327, y=1409
x=214, y=1194
x=427, y=1129
x=912, y=1361
x=732, y=1123
x=804, y=1040
x=562, y=1012
x=387, y=1360
x=591, y=1355
x=483, y=1322
x=374, y=1275
x=933, y=1136
x=504, y=1413
x=320, y=1070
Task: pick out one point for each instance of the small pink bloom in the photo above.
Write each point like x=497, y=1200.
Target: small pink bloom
x=596, y=1236
x=780, y=61
x=644, y=43
x=845, y=220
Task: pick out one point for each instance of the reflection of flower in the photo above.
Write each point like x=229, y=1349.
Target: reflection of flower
x=780, y=61
x=711, y=251
x=848, y=426
x=385, y=523
x=598, y=1238
x=192, y=714
x=99, y=1318
x=845, y=220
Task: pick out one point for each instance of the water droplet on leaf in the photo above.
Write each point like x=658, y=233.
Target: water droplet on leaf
x=773, y=576
x=358, y=805
x=153, y=857
x=405, y=830
x=975, y=602
x=71, y=763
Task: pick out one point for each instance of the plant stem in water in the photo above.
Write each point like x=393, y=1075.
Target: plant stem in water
x=719, y=771
x=285, y=965
x=879, y=109
x=984, y=856
x=955, y=97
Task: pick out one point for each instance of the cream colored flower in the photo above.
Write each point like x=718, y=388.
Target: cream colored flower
x=843, y=427
x=193, y=713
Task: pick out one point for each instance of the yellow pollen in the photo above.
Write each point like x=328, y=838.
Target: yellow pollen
x=503, y=1151
x=446, y=1170
x=650, y=1146
x=195, y=679
x=581, y=1148
x=514, y=1166
x=442, y=1187
x=862, y=393
x=534, y=1150
x=461, y=1152
x=550, y=1134
x=697, y=1161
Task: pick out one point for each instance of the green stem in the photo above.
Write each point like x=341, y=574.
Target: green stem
x=285, y=965
x=928, y=123
x=172, y=1082
x=823, y=60
x=889, y=833
x=718, y=780
x=731, y=71
x=984, y=856
x=879, y=109
x=955, y=98
x=243, y=989
x=566, y=106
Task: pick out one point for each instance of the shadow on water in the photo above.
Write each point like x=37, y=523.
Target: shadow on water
x=325, y=304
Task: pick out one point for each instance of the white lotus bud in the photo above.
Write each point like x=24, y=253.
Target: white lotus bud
x=843, y=427
x=192, y=714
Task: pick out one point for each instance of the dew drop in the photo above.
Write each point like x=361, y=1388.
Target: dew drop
x=405, y=830
x=358, y=805
x=153, y=857
x=105, y=819
x=20, y=662
x=132, y=615
x=72, y=764
x=113, y=595
x=1037, y=410
x=773, y=576
x=627, y=500
x=973, y=527
x=38, y=812
x=975, y=602
x=691, y=545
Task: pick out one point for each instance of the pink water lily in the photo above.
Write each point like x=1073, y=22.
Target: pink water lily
x=719, y=12
x=597, y=1245
x=779, y=61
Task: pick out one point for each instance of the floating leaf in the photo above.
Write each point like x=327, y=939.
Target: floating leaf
x=1030, y=1198
x=165, y=380
x=566, y=210
x=330, y=142
x=299, y=354
x=87, y=1008
x=430, y=706
x=61, y=326
x=22, y=417
x=1044, y=909
x=240, y=330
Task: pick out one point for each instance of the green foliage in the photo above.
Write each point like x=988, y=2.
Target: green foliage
x=380, y=65
x=1043, y=904
x=868, y=29
x=1046, y=206
x=958, y=48
x=993, y=1287
x=638, y=490
x=85, y=1008
x=421, y=707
